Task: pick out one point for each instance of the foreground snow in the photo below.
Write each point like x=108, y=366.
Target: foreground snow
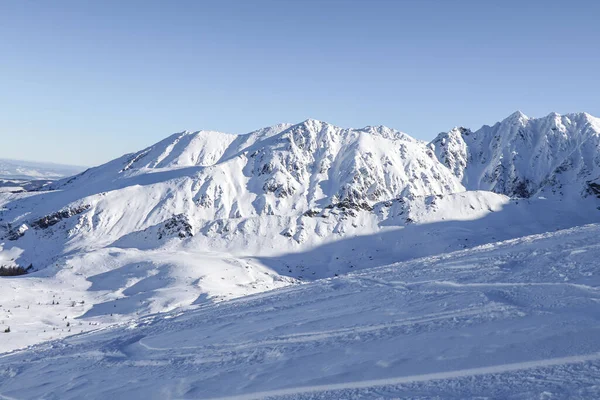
x=518, y=319
x=101, y=288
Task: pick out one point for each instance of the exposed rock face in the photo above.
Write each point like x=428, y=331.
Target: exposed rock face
x=54, y=218
x=16, y=233
x=594, y=188
x=178, y=225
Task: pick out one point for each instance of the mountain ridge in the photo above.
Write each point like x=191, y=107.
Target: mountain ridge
x=496, y=157
x=304, y=169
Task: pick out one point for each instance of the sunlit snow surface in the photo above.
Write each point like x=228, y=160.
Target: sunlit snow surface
x=517, y=319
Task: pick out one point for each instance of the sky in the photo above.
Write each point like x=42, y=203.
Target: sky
x=83, y=82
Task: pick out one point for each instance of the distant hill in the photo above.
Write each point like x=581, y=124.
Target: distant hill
x=30, y=170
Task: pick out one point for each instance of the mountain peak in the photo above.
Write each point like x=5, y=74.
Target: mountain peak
x=516, y=117
x=461, y=130
x=314, y=121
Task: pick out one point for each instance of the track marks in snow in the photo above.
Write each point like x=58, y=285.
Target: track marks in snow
x=455, y=317
x=447, y=375
x=423, y=328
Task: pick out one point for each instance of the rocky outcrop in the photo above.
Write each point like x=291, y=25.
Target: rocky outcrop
x=54, y=218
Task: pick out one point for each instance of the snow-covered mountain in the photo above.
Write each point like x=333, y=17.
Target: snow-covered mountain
x=281, y=170
x=522, y=156
x=293, y=184
x=306, y=182
x=208, y=216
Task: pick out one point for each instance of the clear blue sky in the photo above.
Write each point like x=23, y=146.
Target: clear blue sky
x=82, y=82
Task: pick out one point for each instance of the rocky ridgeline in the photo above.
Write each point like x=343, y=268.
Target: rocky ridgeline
x=524, y=157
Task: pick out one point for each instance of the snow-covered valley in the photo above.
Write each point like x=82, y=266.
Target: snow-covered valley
x=312, y=261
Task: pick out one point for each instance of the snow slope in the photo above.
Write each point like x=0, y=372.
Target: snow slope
x=118, y=283
x=516, y=319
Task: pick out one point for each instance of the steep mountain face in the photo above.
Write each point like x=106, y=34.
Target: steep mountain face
x=523, y=157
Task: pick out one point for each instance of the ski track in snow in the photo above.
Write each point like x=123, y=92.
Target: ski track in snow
x=495, y=369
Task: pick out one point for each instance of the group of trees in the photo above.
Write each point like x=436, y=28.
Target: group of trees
x=14, y=270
